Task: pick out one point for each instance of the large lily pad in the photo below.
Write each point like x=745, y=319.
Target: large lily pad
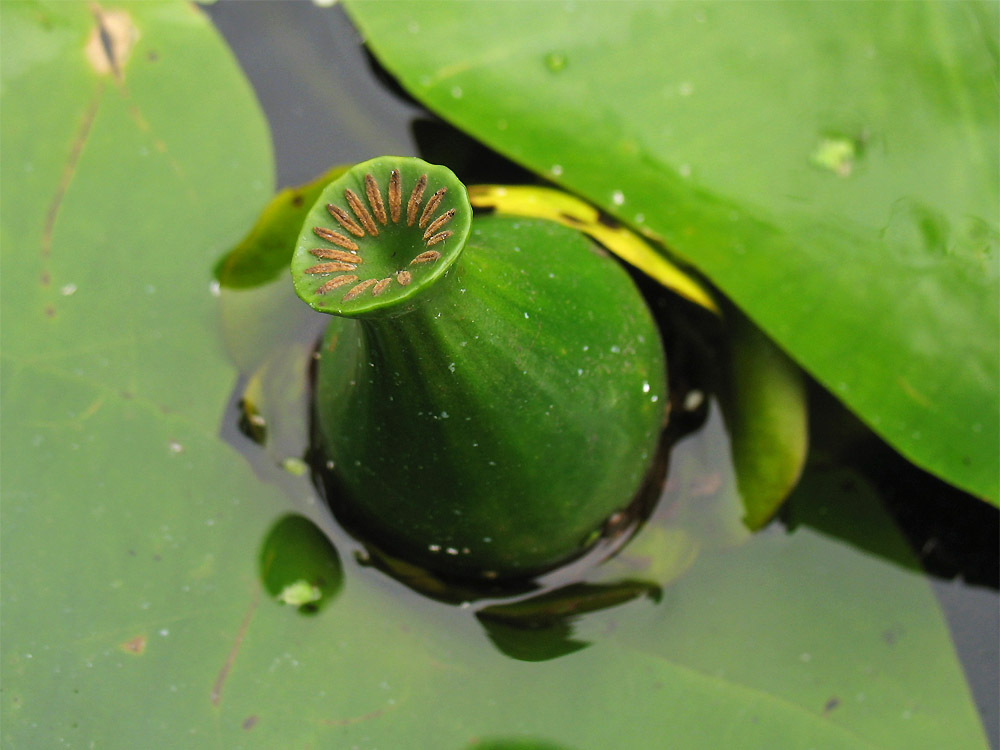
x=160, y=589
x=830, y=166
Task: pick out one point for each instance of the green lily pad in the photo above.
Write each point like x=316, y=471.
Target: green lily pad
x=830, y=167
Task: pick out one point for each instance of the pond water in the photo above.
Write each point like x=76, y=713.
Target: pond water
x=778, y=612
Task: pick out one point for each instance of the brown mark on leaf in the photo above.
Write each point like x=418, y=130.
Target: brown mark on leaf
x=249, y=722
x=830, y=705
x=135, y=645
x=356, y=719
x=892, y=634
x=227, y=666
x=111, y=41
x=69, y=170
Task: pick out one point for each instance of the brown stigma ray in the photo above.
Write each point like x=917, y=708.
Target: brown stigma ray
x=334, y=283
x=375, y=198
x=330, y=268
x=431, y=207
x=344, y=219
x=330, y=254
x=395, y=195
x=361, y=212
x=358, y=289
x=415, y=197
x=439, y=237
x=336, y=238
x=439, y=222
x=426, y=257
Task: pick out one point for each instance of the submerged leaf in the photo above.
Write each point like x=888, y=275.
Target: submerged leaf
x=767, y=416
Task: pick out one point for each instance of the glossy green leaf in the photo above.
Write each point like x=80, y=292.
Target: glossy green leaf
x=830, y=166
x=146, y=562
x=263, y=254
x=767, y=417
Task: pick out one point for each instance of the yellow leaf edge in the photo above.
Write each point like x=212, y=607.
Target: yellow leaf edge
x=555, y=205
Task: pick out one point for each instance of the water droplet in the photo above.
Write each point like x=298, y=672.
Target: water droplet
x=175, y=447
x=555, y=62
x=68, y=290
x=645, y=387
x=413, y=27
x=556, y=169
x=451, y=367
x=836, y=154
x=618, y=197
x=456, y=92
x=639, y=218
x=693, y=400
x=685, y=89
x=526, y=316
x=684, y=170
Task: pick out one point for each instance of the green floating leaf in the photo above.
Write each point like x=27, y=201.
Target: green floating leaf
x=768, y=420
x=265, y=252
x=831, y=167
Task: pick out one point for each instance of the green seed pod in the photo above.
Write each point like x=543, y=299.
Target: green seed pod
x=499, y=388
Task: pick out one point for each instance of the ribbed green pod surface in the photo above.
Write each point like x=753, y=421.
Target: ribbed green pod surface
x=495, y=394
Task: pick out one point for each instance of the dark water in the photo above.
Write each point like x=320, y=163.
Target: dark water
x=327, y=104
